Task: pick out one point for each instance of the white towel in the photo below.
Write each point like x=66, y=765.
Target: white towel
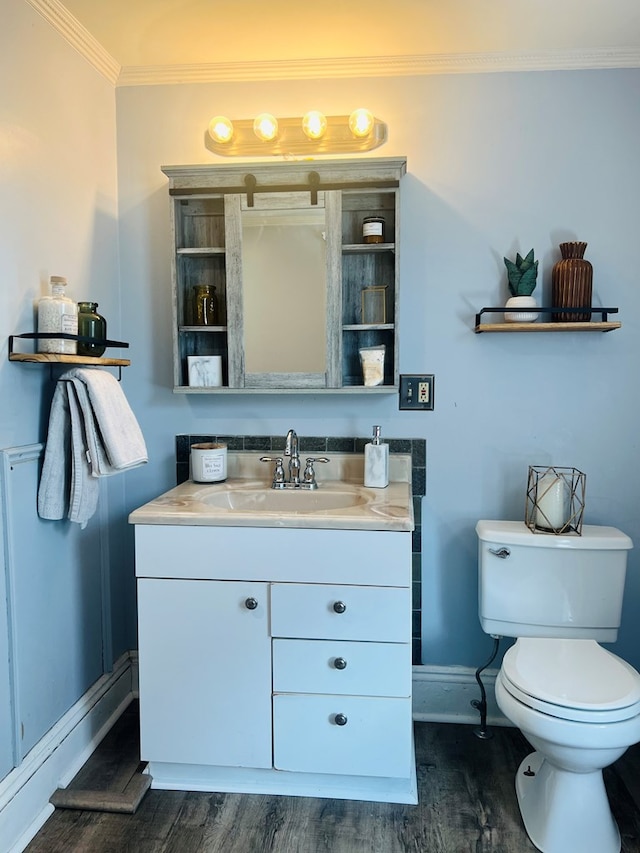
x=83, y=488
x=114, y=439
x=92, y=433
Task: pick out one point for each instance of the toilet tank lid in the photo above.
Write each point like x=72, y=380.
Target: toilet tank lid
x=517, y=533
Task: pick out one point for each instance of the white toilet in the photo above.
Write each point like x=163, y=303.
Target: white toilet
x=575, y=702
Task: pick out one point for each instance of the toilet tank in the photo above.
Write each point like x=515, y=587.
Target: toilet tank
x=543, y=585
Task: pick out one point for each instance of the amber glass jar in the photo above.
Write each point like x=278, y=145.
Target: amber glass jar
x=205, y=305
x=91, y=325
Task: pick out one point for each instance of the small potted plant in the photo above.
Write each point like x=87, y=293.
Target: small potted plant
x=522, y=282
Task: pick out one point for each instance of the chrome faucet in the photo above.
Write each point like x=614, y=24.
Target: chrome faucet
x=294, y=482
x=291, y=450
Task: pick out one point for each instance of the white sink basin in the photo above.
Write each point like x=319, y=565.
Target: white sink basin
x=285, y=500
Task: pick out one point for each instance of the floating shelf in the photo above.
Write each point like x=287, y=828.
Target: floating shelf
x=64, y=358
x=603, y=325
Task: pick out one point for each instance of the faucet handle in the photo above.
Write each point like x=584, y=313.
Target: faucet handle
x=309, y=476
x=278, y=471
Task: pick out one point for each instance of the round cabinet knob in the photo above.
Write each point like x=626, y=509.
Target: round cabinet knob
x=340, y=720
x=251, y=604
x=339, y=606
x=340, y=663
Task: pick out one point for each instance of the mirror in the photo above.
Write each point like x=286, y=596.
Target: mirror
x=284, y=290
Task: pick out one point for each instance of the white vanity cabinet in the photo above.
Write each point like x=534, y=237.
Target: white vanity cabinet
x=276, y=660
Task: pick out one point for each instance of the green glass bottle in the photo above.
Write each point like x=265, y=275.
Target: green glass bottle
x=91, y=325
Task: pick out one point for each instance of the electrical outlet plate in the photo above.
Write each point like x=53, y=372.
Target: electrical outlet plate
x=416, y=392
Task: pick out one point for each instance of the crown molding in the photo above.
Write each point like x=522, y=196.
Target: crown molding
x=379, y=66
x=78, y=37
x=305, y=69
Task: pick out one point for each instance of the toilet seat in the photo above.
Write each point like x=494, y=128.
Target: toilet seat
x=571, y=679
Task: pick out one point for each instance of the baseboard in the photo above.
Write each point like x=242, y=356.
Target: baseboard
x=443, y=694
x=440, y=694
x=59, y=755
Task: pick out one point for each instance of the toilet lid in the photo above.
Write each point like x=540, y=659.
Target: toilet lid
x=573, y=679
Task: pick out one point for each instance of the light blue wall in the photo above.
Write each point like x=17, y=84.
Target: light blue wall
x=58, y=212
x=496, y=163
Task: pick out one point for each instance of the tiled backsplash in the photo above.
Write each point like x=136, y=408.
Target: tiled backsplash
x=417, y=447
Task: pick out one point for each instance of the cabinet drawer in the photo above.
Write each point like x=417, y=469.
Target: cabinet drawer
x=375, y=739
x=316, y=611
x=342, y=667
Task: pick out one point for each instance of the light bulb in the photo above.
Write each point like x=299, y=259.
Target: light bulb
x=361, y=122
x=220, y=129
x=314, y=124
x=265, y=127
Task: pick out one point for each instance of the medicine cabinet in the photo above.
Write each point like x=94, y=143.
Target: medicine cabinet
x=283, y=246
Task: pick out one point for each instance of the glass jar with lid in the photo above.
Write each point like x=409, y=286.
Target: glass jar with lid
x=373, y=229
x=57, y=313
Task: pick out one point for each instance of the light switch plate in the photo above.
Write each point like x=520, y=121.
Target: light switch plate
x=416, y=391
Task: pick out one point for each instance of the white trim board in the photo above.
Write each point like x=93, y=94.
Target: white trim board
x=440, y=694
x=70, y=28
x=59, y=755
x=443, y=694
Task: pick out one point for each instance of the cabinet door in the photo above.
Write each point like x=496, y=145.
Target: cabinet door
x=205, y=672
x=282, y=263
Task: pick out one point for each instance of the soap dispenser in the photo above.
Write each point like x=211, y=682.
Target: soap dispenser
x=376, y=462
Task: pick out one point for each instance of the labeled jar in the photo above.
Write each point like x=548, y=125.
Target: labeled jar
x=205, y=305
x=91, y=325
x=373, y=229
x=57, y=313
x=208, y=462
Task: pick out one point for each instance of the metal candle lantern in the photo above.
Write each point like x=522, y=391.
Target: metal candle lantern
x=555, y=500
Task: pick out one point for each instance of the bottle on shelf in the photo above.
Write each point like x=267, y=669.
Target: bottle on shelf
x=57, y=313
x=205, y=305
x=91, y=325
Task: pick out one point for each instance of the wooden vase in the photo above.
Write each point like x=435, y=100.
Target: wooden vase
x=571, y=284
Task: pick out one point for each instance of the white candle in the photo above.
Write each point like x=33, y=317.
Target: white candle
x=552, y=502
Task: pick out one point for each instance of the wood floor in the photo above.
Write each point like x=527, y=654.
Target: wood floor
x=467, y=805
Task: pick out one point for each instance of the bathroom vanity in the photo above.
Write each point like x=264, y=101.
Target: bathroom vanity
x=275, y=644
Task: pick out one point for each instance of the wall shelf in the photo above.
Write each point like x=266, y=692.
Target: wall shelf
x=602, y=325
x=64, y=358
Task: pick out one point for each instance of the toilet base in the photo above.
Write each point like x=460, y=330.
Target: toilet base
x=563, y=811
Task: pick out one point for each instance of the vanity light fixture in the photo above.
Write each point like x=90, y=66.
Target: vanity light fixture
x=314, y=124
x=265, y=127
x=312, y=134
x=221, y=129
x=361, y=123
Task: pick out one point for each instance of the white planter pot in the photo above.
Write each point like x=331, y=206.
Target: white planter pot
x=518, y=315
